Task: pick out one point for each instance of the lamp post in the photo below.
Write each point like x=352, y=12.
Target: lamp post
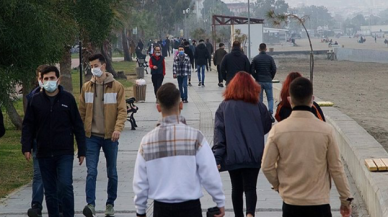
x=185, y=13
x=249, y=31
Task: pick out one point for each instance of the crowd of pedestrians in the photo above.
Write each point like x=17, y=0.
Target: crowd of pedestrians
x=174, y=160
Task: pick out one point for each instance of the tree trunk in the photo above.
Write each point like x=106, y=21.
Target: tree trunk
x=106, y=51
x=127, y=56
x=13, y=114
x=65, y=69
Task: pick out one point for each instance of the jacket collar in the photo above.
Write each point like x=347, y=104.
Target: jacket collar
x=60, y=88
x=301, y=108
x=173, y=119
x=302, y=112
x=263, y=52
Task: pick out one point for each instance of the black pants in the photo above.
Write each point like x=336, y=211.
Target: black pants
x=190, y=208
x=210, y=62
x=220, y=78
x=306, y=211
x=244, y=180
x=157, y=81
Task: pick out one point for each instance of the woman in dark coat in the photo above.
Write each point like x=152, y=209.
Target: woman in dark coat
x=241, y=122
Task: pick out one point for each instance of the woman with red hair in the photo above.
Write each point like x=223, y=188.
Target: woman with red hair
x=241, y=122
x=284, y=108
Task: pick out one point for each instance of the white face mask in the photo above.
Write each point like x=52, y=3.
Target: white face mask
x=50, y=86
x=97, y=71
x=157, y=53
x=40, y=83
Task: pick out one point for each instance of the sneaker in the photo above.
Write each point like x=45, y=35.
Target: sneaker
x=199, y=84
x=185, y=101
x=203, y=85
x=109, y=211
x=221, y=85
x=89, y=211
x=35, y=211
x=190, y=84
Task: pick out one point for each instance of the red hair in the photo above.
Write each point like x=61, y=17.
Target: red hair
x=243, y=87
x=284, y=93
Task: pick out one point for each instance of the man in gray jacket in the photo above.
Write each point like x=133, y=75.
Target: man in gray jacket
x=263, y=68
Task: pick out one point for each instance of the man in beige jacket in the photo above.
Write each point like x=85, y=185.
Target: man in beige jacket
x=301, y=157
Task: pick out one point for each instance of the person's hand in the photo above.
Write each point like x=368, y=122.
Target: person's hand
x=174, y=75
x=81, y=160
x=115, y=136
x=218, y=166
x=346, y=211
x=222, y=212
x=27, y=155
x=155, y=67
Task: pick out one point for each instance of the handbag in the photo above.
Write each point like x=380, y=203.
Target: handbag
x=213, y=211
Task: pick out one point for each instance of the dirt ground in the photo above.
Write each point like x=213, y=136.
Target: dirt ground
x=357, y=89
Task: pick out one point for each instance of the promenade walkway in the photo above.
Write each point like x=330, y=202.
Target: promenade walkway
x=199, y=112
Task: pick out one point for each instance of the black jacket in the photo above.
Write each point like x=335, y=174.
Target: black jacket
x=209, y=47
x=201, y=55
x=263, y=67
x=53, y=126
x=239, y=131
x=218, y=56
x=189, y=53
x=234, y=62
x=2, y=128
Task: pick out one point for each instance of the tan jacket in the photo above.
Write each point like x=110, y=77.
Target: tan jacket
x=300, y=158
x=115, y=111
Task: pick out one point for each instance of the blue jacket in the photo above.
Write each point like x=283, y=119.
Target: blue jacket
x=239, y=134
x=53, y=126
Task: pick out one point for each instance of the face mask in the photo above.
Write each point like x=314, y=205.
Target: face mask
x=40, y=83
x=97, y=72
x=157, y=53
x=181, y=53
x=50, y=86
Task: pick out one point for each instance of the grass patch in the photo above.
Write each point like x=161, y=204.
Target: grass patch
x=15, y=170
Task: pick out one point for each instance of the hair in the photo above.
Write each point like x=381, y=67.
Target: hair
x=207, y=40
x=157, y=47
x=236, y=44
x=40, y=69
x=201, y=41
x=49, y=69
x=98, y=56
x=301, y=91
x=285, y=92
x=181, y=46
x=221, y=44
x=243, y=87
x=263, y=46
x=168, y=96
x=186, y=43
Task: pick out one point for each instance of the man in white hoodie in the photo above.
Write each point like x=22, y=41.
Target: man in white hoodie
x=173, y=163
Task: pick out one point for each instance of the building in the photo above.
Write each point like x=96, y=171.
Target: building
x=238, y=8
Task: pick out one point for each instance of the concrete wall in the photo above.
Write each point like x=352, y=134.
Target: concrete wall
x=361, y=55
x=318, y=54
x=356, y=144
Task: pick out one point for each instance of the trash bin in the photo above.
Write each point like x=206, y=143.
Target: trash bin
x=140, y=72
x=139, y=90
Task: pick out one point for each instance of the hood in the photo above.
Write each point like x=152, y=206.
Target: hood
x=201, y=46
x=109, y=78
x=236, y=52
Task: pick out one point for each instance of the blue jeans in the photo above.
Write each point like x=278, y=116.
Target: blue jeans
x=182, y=84
x=199, y=74
x=267, y=87
x=57, y=173
x=37, y=183
x=93, y=147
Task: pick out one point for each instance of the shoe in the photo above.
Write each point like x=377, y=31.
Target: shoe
x=35, y=211
x=272, y=119
x=203, y=85
x=185, y=101
x=89, y=211
x=109, y=211
x=199, y=84
x=221, y=85
x=190, y=84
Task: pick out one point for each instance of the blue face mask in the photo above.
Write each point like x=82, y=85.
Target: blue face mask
x=181, y=52
x=50, y=86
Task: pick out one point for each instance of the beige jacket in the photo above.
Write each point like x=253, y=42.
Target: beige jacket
x=115, y=110
x=300, y=158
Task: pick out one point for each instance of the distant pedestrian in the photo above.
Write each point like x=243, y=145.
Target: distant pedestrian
x=301, y=157
x=234, y=62
x=52, y=117
x=164, y=48
x=103, y=111
x=2, y=127
x=181, y=71
x=173, y=163
x=201, y=57
x=217, y=59
x=210, y=48
x=158, y=69
x=176, y=44
x=168, y=45
x=241, y=121
x=189, y=53
x=263, y=69
x=140, y=45
x=284, y=109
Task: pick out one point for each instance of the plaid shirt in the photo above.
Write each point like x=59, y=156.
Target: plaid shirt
x=181, y=66
x=172, y=137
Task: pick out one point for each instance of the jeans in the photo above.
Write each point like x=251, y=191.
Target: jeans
x=306, y=211
x=199, y=73
x=93, y=147
x=190, y=208
x=157, y=81
x=37, y=182
x=244, y=180
x=220, y=78
x=57, y=173
x=267, y=87
x=182, y=84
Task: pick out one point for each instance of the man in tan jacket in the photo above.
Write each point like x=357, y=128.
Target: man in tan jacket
x=301, y=157
x=103, y=110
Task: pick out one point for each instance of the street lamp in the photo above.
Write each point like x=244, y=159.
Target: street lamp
x=185, y=13
x=249, y=32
